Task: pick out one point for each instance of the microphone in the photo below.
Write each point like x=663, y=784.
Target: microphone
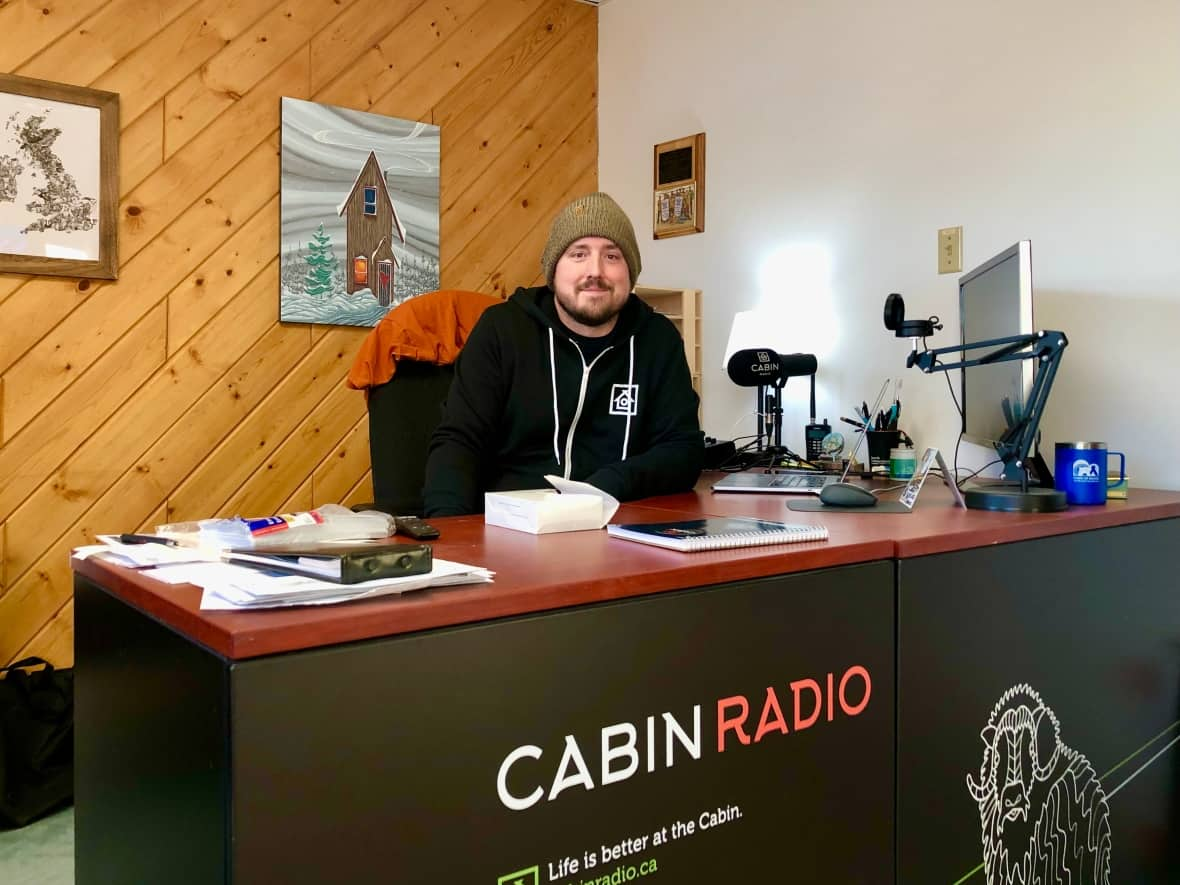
x=754, y=367
x=792, y=365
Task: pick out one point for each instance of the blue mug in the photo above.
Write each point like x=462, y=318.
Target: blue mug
x=1082, y=471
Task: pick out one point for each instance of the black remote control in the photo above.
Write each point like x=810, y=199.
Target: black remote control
x=415, y=528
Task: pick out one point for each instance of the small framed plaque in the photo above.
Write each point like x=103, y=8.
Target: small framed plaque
x=679, y=198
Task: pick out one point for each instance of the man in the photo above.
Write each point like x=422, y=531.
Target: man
x=579, y=378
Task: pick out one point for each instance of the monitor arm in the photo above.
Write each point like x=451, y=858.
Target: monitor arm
x=1045, y=346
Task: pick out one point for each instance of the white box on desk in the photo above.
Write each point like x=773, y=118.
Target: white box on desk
x=541, y=511
x=578, y=507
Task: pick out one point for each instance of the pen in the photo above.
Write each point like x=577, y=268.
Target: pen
x=145, y=539
x=856, y=424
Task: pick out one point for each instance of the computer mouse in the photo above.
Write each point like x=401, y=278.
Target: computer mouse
x=845, y=494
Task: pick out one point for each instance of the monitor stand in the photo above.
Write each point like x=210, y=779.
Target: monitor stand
x=1012, y=498
x=1009, y=495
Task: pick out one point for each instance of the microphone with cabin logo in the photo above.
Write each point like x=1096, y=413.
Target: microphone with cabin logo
x=762, y=367
x=755, y=367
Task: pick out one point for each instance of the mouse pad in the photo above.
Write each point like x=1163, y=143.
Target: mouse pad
x=815, y=504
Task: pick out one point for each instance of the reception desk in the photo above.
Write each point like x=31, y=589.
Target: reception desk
x=804, y=713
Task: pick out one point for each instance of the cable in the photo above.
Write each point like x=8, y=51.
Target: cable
x=980, y=470
x=758, y=416
x=739, y=460
x=954, y=399
x=955, y=462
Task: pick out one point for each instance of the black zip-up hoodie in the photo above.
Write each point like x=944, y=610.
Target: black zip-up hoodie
x=525, y=403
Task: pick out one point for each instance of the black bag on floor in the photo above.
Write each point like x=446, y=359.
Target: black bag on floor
x=36, y=740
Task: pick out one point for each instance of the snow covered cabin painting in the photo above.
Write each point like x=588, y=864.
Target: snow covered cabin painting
x=359, y=209
x=371, y=221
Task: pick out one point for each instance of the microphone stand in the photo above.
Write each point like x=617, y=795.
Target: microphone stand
x=760, y=418
x=776, y=448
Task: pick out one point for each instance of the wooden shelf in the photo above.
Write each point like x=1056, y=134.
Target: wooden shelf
x=683, y=308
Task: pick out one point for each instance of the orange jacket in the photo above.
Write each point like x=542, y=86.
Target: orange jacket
x=430, y=328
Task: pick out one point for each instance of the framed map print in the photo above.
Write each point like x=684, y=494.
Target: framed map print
x=59, y=190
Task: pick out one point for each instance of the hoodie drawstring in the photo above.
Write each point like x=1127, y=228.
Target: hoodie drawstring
x=556, y=418
x=569, y=440
x=632, y=404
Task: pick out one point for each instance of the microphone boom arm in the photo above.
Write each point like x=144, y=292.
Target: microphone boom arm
x=1046, y=346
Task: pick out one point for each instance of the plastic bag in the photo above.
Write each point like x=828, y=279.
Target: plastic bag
x=328, y=522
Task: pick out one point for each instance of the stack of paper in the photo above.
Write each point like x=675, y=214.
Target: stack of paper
x=229, y=586
x=233, y=587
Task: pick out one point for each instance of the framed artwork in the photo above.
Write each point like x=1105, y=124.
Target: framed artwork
x=359, y=210
x=59, y=171
x=678, y=204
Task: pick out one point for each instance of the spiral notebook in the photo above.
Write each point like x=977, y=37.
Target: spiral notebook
x=717, y=533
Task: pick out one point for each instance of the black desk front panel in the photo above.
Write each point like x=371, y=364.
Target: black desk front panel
x=151, y=781
x=379, y=762
x=1090, y=624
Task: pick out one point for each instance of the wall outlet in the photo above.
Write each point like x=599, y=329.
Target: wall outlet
x=950, y=249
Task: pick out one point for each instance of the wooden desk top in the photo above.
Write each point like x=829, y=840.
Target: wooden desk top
x=934, y=526
x=547, y=572
x=533, y=573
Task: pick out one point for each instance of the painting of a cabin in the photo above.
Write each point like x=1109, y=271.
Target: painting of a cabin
x=359, y=209
x=370, y=222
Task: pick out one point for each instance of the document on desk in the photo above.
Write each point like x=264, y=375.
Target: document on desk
x=232, y=587
x=229, y=587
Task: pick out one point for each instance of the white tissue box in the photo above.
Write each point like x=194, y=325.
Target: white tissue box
x=541, y=511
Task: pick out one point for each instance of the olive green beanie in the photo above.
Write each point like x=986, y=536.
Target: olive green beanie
x=594, y=215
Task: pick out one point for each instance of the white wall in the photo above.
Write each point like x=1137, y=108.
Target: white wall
x=841, y=135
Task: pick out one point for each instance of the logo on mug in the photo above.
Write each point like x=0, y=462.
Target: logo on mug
x=1082, y=471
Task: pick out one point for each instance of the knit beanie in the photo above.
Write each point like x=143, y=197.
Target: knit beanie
x=594, y=215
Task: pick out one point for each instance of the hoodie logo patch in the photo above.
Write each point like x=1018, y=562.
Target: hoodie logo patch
x=624, y=399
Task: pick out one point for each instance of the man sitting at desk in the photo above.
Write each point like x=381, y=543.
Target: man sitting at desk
x=578, y=378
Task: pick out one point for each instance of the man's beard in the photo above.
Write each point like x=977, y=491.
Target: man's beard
x=599, y=313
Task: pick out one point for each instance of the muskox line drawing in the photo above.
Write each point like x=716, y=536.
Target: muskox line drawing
x=1043, y=813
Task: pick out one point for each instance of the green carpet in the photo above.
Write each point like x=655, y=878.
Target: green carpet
x=41, y=853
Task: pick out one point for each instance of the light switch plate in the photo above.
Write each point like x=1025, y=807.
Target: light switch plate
x=950, y=250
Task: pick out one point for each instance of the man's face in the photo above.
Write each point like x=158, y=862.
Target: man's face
x=592, y=282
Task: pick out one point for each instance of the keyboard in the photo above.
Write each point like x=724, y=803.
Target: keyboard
x=797, y=481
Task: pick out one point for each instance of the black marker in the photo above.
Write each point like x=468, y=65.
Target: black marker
x=146, y=539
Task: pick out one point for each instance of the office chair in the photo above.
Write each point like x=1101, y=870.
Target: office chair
x=403, y=413
x=405, y=366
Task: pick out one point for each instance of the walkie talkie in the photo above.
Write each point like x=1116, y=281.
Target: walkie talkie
x=813, y=434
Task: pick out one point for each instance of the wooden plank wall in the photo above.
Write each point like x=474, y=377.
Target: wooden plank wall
x=174, y=393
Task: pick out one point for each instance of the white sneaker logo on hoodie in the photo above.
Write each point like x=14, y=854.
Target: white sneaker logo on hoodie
x=624, y=399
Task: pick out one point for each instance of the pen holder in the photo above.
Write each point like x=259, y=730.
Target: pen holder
x=880, y=444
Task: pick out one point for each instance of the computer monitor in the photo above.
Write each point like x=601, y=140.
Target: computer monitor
x=995, y=301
